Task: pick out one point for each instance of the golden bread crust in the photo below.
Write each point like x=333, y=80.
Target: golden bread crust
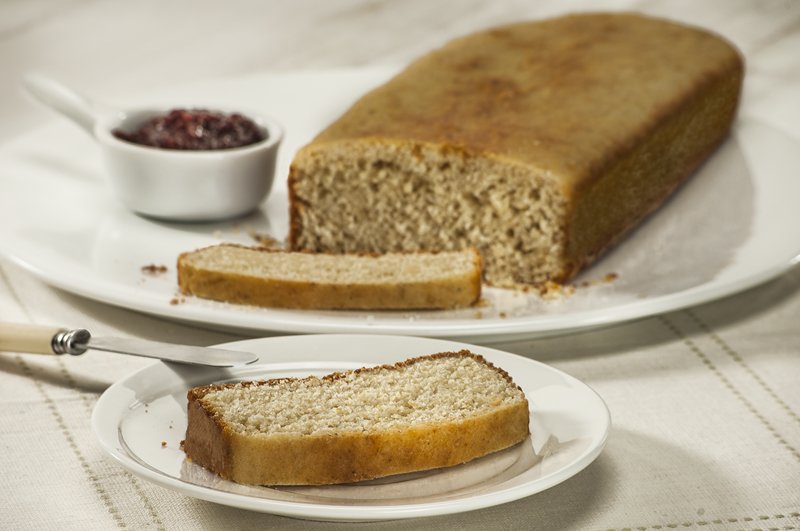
x=570, y=95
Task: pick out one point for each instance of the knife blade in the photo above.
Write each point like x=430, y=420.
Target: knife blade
x=40, y=339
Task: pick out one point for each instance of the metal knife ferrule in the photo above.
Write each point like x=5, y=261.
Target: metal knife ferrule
x=74, y=342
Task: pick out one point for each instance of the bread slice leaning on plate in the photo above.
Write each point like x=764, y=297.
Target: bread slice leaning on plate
x=426, y=412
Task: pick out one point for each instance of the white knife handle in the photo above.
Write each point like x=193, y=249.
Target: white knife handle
x=41, y=339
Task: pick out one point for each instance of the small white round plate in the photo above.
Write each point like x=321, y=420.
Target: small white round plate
x=733, y=225
x=141, y=420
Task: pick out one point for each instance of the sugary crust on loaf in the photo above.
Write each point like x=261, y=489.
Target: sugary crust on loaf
x=617, y=110
x=455, y=290
x=348, y=456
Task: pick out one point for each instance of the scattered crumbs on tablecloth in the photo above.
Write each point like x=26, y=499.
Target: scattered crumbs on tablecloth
x=174, y=301
x=502, y=315
x=154, y=270
x=163, y=444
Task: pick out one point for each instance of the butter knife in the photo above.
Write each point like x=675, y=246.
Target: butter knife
x=42, y=339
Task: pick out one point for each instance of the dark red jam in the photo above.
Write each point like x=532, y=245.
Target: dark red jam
x=195, y=129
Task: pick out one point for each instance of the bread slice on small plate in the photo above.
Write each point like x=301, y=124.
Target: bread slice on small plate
x=427, y=412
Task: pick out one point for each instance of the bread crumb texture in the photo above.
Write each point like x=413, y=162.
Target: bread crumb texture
x=455, y=205
x=331, y=268
x=428, y=390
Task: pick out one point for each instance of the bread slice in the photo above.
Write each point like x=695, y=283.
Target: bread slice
x=427, y=412
x=280, y=279
x=540, y=143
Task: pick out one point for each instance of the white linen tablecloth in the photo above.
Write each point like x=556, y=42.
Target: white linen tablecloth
x=705, y=401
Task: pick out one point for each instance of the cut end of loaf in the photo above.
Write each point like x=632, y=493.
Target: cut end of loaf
x=365, y=196
x=427, y=412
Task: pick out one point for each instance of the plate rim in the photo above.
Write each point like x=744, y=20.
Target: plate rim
x=264, y=320
x=106, y=433
x=292, y=322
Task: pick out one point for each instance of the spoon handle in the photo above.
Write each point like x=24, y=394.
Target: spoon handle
x=62, y=99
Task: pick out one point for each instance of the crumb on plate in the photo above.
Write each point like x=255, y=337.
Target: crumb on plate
x=153, y=269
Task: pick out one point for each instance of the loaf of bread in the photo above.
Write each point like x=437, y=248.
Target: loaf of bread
x=427, y=412
x=280, y=279
x=539, y=143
